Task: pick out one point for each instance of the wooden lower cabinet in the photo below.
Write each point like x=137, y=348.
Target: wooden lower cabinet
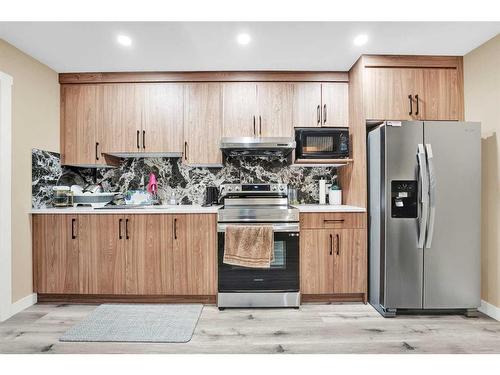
x=333, y=262
x=316, y=262
x=55, y=256
x=136, y=255
x=149, y=263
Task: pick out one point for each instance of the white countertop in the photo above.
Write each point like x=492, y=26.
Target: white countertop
x=328, y=208
x=180, y=209
x=184, y=209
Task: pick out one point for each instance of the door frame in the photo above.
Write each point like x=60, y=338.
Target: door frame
x=6, y=82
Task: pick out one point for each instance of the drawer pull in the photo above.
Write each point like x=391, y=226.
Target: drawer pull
x=331, y=244
x=73, y=235
x=126, y=229
x=333, y=220
x=175, y=228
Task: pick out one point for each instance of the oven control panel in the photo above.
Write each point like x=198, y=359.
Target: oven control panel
x=243, y=189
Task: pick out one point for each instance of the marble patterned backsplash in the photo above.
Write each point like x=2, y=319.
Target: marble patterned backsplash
x=188, y=183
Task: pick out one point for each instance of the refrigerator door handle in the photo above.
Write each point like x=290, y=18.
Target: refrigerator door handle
x=432, y=195
x=424, y=195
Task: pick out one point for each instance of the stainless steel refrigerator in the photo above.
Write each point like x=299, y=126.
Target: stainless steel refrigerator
x=424, y=182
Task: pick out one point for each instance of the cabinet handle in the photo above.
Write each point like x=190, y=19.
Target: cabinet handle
x=411, y=104
x=253, y=125
x=144, y=139
x=338, y=244
x=318, y=114
x=73, y=235
x=333, y=220
x=260, y=125
x=138, y=133
x=120, y=229
x=175, y=228
x=97, y=151
x=416, y=97
x=331, y=244
x=324, y=114
x=185, y=150
x=126, y=229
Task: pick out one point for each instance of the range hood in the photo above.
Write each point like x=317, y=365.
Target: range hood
x=257, y=146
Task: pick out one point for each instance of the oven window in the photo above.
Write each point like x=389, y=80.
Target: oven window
x=279, y=260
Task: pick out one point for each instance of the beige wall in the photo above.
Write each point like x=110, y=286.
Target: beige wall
x=35, y=124
x=482, y=103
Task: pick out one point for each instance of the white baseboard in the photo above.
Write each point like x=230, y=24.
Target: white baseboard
x=23, y=303
x=490, y=310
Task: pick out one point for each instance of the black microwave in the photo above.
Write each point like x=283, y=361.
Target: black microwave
x=322, y=143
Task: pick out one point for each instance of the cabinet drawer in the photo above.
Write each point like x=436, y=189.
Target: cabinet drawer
x=336, y=220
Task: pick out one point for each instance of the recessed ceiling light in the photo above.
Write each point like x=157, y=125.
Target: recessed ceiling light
x=361, y=39
x=124, y=40
x=243, y=38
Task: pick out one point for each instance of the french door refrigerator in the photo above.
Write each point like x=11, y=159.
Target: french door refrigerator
x=424, y=216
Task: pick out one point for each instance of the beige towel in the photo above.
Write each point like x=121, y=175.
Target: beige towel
x=249, y=246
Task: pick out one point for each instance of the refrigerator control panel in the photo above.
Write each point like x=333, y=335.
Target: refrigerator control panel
x=404, y=199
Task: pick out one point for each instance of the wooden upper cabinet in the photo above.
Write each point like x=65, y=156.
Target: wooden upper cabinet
x=438, y=91
x=320, y=104
x=386, y=93
x=55, y=254
x=349, y=261
x=275, y=103
x=434, y=94
x=334, y=104
x=80, y=119
x=161, y=111
x=306, y=105
x=202, y=123
x=121, y=119
x=240, y=108
x=316, y=261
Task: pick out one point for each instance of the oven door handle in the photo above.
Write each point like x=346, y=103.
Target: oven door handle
x=277, y=227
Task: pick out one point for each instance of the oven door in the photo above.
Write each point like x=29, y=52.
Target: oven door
x=283, y=275
x=325, y=143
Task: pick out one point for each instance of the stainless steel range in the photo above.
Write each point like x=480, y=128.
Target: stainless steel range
x=277, y=286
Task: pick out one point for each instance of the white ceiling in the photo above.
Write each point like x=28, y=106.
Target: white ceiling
x=205, y=46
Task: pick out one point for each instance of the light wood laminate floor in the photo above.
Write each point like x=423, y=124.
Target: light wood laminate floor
x=334, y=328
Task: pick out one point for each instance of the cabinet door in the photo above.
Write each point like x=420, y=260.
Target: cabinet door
x=275, y=103
x=194, y=254
x=335, y=107
x=55, y=254
x=386, y=93
x=148, y=248
x=240, y=108
x=80, y=118
x=306, y=105
x=202, y=123
x=161, y=111
x=201, y=253
x=350, y=261
x=121, y=118
x=438, y=97
x=316, y=261
x=108, y=256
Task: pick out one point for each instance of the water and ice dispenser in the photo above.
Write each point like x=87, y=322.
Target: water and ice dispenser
x=404, y=199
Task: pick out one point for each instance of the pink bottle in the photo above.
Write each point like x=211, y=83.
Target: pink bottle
x=152, y=184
